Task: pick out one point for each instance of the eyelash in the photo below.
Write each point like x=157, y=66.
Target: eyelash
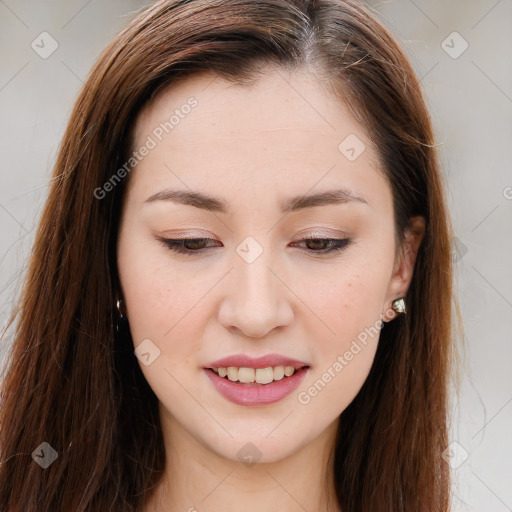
x=177, y=244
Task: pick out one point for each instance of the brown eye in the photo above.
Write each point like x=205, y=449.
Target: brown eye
x=188, y=246
x=326, y=245
x=317, y=243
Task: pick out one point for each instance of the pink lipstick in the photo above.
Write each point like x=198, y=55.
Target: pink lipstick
x=264, y=380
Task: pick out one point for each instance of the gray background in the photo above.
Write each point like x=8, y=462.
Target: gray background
x=470, y=98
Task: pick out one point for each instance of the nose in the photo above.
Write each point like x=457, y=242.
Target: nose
x=256, y=298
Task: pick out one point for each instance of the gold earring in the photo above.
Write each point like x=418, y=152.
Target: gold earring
x=399, y=305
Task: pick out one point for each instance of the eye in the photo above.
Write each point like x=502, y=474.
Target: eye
x=187, y=246
x=192, y=246
x=326, y=245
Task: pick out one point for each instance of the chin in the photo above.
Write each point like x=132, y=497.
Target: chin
x=257, y=446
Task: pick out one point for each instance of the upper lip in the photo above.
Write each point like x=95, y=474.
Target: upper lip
x=245, y=361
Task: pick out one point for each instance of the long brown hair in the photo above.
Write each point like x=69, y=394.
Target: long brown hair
x=72, y=382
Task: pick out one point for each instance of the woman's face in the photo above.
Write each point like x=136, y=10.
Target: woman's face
x=257, y=289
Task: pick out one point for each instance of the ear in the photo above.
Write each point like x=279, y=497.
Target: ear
x=404, y=265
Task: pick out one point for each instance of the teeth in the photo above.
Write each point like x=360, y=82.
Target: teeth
x=278, y=372
x=259, y=375
x=264, y=375
x=246, y=375
x=288, y=370
x=232, y=373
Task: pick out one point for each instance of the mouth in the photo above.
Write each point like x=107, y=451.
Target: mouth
x=256, y=376
x=257, y=387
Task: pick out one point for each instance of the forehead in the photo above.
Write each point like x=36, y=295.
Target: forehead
x=284, y=131
x=278, y=102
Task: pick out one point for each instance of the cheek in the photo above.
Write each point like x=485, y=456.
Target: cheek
x=349, y=306
x=164, y=307
x=344, y=354
x=350, y=298
x=163, y=303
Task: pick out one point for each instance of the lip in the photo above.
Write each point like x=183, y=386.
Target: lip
x=245, y=361
x=256, y=394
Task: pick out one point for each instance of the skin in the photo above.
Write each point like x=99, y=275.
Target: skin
x=254, y=147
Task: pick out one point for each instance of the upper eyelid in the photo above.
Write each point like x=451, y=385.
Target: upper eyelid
x=315, y=233
x=315, y=236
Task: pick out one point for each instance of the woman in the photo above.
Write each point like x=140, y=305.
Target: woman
x=239, y=295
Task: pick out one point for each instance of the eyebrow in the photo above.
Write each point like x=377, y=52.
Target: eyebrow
x=205, y=202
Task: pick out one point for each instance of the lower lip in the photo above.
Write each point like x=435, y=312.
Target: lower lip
x=256, y=394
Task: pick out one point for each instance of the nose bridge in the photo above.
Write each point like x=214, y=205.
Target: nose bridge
x=256, y=300
x=257, y=282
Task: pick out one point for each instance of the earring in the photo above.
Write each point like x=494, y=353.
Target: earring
x=121, y=309
x=399, y=305
x=121, y=320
